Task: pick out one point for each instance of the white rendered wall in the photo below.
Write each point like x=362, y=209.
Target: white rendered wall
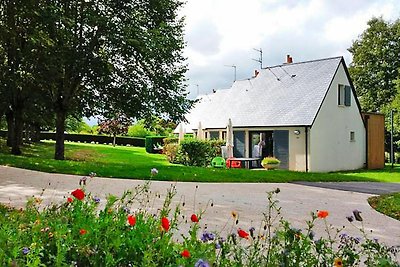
x=330, y=145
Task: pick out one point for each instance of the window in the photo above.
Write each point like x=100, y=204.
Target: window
x=214, y=135
x=352, y=136
x=344, y=95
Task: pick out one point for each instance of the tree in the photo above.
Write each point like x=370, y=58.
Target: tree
x=110, y=57
x=17, y=44
x=115, y=126
x=376, y=64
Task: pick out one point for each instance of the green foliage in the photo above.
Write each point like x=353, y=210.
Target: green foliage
x=270, y=160
x=171, y=140
x=196, y=152
x=126, y=231
x=139, y=130
x=376, y=64
x=173, y=153
x=387, y=204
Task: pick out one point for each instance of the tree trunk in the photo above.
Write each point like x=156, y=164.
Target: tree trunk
x=17, y=133
x=60, y=128
x=114, y=140
x=10, y=127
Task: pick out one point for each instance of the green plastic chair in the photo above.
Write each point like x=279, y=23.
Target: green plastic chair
x=218, y=162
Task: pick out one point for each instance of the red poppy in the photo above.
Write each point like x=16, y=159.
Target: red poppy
x=194, y=218
x=78, y=193
x=82, y=231
x=69, y=200
x=165, y=224
x=322, y=214
x=131, y=220
x=243, y=234
x=185, y=253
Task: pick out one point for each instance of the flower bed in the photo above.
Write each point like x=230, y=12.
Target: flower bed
x=127, y=231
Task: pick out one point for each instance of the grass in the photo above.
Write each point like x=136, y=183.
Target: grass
x=135, y=163
x=387, y=204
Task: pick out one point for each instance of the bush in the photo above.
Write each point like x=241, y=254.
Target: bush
x=126, y=231
x=270, y=160
x=196, y=152
x=139, y=130
x=171, y=140
x=171, y=151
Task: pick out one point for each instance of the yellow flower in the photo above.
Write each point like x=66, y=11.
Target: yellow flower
x=38, y=200
x=234, y=214
x=338, y=262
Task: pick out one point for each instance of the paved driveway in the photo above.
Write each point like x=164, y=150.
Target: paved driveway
x=249, y=200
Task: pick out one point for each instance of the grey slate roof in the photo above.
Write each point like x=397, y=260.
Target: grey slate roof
x=293, y=100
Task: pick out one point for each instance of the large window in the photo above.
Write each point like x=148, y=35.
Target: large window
x=344, y=95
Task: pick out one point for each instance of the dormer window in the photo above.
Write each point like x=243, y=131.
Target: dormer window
x=344, y=95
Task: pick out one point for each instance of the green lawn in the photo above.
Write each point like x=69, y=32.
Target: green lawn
x=135, y=163
x=387, y=204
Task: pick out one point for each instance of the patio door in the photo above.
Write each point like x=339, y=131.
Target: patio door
x=281, y=147
x=261, y=144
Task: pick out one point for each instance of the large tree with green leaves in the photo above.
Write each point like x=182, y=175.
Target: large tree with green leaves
x=112, y=57
x=376, y=64
x=17, y=64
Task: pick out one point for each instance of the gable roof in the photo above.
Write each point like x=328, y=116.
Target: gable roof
x=282, y=95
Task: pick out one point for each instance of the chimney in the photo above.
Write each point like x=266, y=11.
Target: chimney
x=289, y=59
x=256, y=72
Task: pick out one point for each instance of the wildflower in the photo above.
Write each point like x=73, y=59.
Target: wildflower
x=201, y=263
x=25, y=250
x=82, y=232
x=357, y=215
x=194, y=218
x=79, y=194
x=243, y=234
x=350, y=218
x=51, y=234
x=185, y=253
x=338, y=262
x=251, y=230
x=165, y=224
x=69, y=200
x=234, y=214
x=83, y=180
x=96, y=200
x=207, y=236
x=38, y=200
x=154, y=172
x=217, y=245
x=131, y=220
x=126, y=209
x=322, y=214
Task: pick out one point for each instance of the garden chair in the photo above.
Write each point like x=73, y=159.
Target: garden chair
x=218, y=162
x=232, y=163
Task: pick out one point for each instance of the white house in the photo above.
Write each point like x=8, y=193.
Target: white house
x=306, y=114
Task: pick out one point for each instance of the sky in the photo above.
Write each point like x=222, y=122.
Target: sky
x=222, y=33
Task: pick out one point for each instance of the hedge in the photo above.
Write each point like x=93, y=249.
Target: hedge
x=89, y=138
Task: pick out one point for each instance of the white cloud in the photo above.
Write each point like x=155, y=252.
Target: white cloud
x=221, y=32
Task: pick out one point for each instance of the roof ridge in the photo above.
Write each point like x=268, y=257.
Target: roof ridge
x=302, y=62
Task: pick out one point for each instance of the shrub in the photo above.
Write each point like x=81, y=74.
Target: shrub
x=171, y=151
x=171, y=140
x=126, y=231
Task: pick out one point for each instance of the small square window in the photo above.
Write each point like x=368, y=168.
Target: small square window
x=352, y=136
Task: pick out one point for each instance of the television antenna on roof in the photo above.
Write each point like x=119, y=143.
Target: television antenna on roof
x=234, y=67
x=260, y=59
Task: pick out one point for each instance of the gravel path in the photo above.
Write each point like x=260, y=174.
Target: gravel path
x=247, y=199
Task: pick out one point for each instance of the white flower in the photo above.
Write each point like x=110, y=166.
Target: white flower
x=154, y=171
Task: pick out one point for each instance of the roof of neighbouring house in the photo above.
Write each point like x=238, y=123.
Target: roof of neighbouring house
x=282, y=95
